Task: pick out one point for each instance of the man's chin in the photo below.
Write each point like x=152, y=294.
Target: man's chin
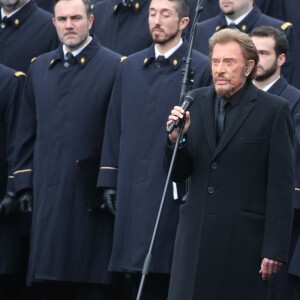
x=222, y=91
x=72, y=45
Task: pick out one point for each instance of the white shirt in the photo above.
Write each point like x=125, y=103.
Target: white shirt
x=168, y=53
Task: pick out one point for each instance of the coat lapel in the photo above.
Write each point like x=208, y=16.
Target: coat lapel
x=243, y=110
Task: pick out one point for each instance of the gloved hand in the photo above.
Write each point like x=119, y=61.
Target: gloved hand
x=9, y=206
x=109, y=200
x=25, y=201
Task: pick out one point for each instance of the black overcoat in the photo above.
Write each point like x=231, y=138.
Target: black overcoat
x=26, y=34
x=240, y=205
x=143, y=95
x=11, y=83
x=59, y=140
x=254, y=19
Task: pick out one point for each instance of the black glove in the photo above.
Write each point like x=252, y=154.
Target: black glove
x=109, y=200
x=25, y=201
x=9, y=206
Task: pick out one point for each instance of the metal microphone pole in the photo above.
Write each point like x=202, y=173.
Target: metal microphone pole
x=186, y=83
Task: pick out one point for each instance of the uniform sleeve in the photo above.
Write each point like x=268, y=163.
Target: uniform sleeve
x=25, y=138
x=108, y=173
x=280, y=188
x=11, y=117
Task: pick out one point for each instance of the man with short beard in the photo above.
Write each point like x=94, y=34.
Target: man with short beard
x=245, y=15
x=234, y=229
x=148, y=84
x=272, y=47
x=58, y=146
x=26, y=31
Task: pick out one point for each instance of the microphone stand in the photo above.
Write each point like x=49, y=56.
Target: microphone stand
x=186, y=83
x=148, y=258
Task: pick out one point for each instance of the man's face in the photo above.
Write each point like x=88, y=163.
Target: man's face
x=268, y=61
x=164, y=22
x=71, y=22
x=230, y=7
x=228, y=68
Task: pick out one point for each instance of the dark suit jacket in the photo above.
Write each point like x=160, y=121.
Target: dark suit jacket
x=240, y=204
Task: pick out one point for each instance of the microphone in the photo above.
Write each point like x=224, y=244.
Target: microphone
x=188, y=101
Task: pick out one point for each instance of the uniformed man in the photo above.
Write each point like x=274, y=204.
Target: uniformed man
x=149, y=81
x=12, y=284
x=25, y=32
x=272, y=48
x=121, y=25
x=58, y=143
x=243, y=15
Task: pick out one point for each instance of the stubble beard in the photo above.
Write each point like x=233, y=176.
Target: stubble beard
x=73, y=45
x=163, y=40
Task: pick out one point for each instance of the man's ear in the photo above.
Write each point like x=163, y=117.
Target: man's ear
x=184, y=23
x=249, y=66
x=91, y=20
x=281, y=59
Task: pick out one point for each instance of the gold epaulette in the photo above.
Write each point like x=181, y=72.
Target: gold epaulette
x=20, y=73
x=33, y=59
x=122, y=58
x=285, y=25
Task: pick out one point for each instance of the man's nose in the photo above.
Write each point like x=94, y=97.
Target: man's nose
x=69, y=23
x=157, y=20
x=221, y=67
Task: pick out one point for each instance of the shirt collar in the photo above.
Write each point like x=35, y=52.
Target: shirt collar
x=238, y=20
x=169, y=52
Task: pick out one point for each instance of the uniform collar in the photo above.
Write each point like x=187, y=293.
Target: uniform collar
x=175, y=60
x=82, y=59
x=20, y=16
x=278, y=86
x=136, y=6
x=245, y=24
